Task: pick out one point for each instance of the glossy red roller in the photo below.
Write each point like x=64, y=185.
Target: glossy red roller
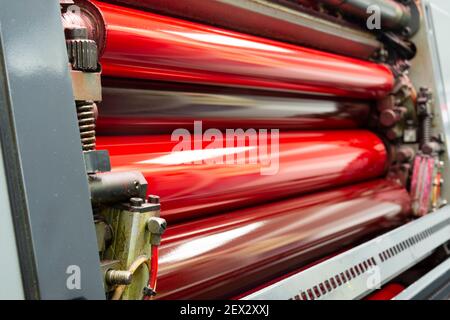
x=224, y=256
x=144, y=45
x=218, y=172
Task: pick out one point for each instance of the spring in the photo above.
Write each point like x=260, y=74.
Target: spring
x=426, y=130
x=86, y=121
x=424, y=99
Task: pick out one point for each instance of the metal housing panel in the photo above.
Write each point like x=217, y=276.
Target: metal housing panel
x=10, y=277
x=47, y=141
x=429, y=69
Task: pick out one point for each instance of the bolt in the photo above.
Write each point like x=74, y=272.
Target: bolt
x=386, y=104
x=153, y=199
x=156, y=226
x=136, y=202
x=118, y=277
x=389, y=117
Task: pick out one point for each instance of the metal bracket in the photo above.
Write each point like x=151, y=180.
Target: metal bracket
x=86, y=85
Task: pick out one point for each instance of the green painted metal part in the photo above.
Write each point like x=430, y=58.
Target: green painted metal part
x=131, y=240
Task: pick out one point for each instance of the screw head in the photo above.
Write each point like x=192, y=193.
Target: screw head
x=136, y=202
x=156, y=225
x=388, y=118
x=153, y=199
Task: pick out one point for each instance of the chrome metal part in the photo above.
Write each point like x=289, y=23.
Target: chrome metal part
x=119, y=277
x=106, y=266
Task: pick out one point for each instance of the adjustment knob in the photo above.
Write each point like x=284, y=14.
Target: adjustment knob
x=82, y=52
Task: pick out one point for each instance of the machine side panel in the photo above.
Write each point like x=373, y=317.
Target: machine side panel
x=49, y=148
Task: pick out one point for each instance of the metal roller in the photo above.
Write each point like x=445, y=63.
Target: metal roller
x=393, y=15
x=269, y=20
x=139, y=111
x=224, y=256
x=143, y=45
x=234, y=172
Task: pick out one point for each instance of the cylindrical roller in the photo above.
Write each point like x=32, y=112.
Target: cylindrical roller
x=271, y=20
x=138, y=111
x=143, y=45
x=223, y=172
x=224, y=256
x=393, y=15
x=116, y=187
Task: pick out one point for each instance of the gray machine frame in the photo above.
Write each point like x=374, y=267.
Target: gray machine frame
x=43, y=163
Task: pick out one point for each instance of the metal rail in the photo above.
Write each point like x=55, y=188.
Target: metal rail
x=428, y=285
